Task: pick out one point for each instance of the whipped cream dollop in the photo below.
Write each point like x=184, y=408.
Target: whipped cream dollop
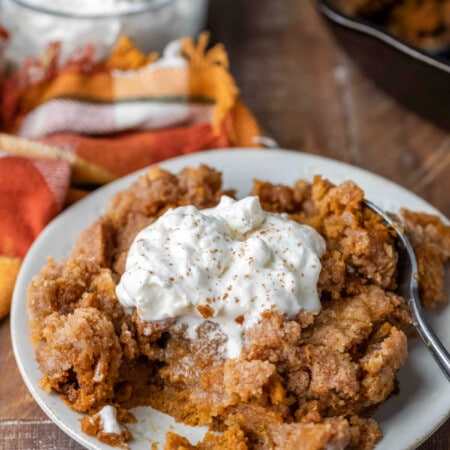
x=226, y=264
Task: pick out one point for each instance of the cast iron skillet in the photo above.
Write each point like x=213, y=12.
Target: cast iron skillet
x=418, y=79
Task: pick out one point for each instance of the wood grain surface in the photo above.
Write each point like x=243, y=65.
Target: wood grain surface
x=308, y=96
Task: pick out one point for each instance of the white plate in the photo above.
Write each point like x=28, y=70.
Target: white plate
x=406, y=419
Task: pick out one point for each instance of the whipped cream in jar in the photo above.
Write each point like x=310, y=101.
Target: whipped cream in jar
x=151, y=24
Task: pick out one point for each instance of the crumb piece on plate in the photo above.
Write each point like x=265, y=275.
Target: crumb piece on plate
x=108, y=426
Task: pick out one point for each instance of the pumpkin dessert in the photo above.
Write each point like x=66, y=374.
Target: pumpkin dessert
x=273, y=320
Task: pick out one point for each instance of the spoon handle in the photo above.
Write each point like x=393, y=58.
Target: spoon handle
x=434, y=345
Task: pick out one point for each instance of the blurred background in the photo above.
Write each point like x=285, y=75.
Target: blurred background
x=305, y=91
x=309, y=95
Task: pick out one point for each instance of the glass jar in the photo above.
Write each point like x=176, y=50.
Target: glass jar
x=151, y=24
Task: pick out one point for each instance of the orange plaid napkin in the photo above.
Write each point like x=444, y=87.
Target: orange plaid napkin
x=68, y=129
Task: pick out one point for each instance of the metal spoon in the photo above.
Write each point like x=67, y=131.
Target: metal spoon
x=408, y=287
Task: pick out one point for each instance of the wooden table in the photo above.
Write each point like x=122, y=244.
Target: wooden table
x=308, y=96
